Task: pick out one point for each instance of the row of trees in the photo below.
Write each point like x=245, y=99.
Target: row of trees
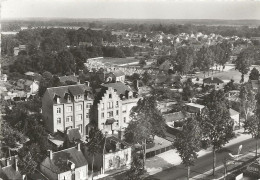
x=187, y=59
x=212, y=126
x=66, y=61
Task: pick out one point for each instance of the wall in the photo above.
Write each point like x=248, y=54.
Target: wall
x=117, y=159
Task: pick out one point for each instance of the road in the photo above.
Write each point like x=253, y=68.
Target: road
x=203, y=163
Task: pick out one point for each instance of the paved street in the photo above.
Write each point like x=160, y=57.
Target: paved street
x=204, y=163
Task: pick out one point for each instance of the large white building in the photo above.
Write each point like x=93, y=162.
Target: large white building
x=113, y=105
x=67, y=107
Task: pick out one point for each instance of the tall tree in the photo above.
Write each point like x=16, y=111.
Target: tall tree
x=243, y=63
x=184, y=58
x=95, y=144
x=187, y=143
x=247, y=100
x=147, y=107
x=205, y=59
x=136, y=170
x=217, y=126
x=252, y=126
x=254, y=74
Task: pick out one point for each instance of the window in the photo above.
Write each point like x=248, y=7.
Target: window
x=88, y=105
x=124, y=119
x=87, y=115
x=79, y=117
x=68, y=118
x=117, y=112
x=58, y=120
x=110, y=163
x=78, y=96
x=102, y=115
x=79, y=107
x=69, y=109
x=80, y=128
x=69, y=98
x=117, y=103
x=110, y=105
x=110, y=114
x=58, y=110
x=110, y=95
x=103, y=106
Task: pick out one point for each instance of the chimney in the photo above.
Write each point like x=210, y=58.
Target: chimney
x=24, y=176
x=211, y=78
x=50, y=154
x=78, y=147
x=8, y=161
x=87, y=83
x=58, y=100
x=120, y=135
x=16, y=164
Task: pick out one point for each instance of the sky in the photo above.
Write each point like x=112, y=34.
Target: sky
x=132, y=9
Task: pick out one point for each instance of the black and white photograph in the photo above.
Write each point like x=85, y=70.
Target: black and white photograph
x=129, y=89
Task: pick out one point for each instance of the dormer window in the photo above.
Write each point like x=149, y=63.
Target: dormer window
x=69, y=98
x=110, y=95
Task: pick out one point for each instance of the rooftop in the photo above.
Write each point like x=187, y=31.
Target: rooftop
x=195, y=105
x=213, y=80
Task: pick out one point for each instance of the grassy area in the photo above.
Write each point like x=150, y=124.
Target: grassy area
x=225, y=75
x=119, y=61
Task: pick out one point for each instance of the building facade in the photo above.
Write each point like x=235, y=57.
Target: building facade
x=113, y=106
x=67, y=107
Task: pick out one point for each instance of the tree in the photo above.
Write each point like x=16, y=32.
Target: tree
x=184, y=58
x=205, y=59
x=243, y=63
x=29, y=157
x=146, y=77
x=137, y=132
x=254, y=74
x=11, y=137
x=46, y=81
x=252, y=126
x=230, y=86
x=147, y=107
x=65, y=63
x=217, y=126
x=95, y=144
x=247, y=100
x=188, y=91
x=136, y=169
x=142, y=62
x=187, y=142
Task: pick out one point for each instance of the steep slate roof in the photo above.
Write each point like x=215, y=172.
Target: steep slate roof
x=233, y=112
x=71, y=154
x=9, y=172
x=120, y=87
x=62, y=90
x=213, y=80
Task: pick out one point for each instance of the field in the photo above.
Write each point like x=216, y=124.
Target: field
x=119, y=61
x=227, y=75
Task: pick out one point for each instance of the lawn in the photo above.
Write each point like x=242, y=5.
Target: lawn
x=119, y=61
x=226, y=75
